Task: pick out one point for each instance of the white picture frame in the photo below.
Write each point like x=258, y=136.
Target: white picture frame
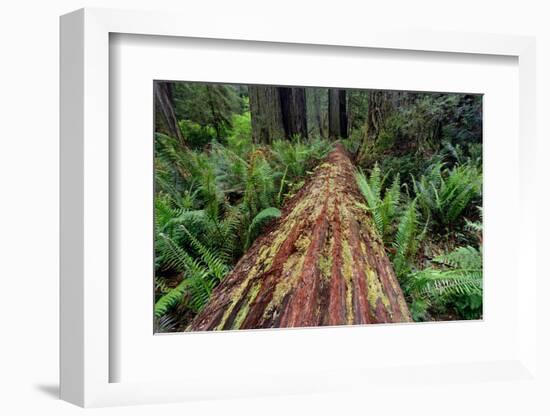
x=86, y=356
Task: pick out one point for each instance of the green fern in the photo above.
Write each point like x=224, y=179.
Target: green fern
x=406, y=240
x=444, y=194
x=260, y=189
x=258, y=221
x=201, y=274
x=476, y=227
x=398, y=227
x=384, y=210
x=460, y=272
x=370, y=188
x=298, y=156
x=390, y=205
x=216, y=266
x=170, y=299
x=179, y=259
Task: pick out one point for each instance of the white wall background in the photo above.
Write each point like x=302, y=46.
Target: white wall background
x=29, y=183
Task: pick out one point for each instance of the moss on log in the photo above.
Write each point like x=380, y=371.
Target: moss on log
x=321, y=263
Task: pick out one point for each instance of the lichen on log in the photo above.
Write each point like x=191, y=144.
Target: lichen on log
x=321, y=263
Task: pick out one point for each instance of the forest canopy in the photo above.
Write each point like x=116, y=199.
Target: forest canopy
x=237, y=166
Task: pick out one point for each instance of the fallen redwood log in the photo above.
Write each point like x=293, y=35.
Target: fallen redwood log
x=321, y=263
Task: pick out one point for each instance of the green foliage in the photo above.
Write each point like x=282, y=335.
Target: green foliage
x=201, y=273
x=298, y=156
x=196, y=135
x=207, y=105
x=384, y=209
x=476, y=226
x=444, y=194
x=460, y=272
x=455, y=278
x=258, y=221
x=260, y=187
x=396, y=221
x=419, y=309
x=239, y=141
x=215, y=193
x=406, y=240
x=169, y=300
x=212, y=200
x=212, y=260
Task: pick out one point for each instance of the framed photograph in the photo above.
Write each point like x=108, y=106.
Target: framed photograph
x=283, y=213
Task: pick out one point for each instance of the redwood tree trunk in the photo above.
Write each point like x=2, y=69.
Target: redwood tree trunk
x=293, y=108
x=321, y=263
x=337, y=113
x=266, y=114
x=318, y=114
x=343, y=113
x=165, y=105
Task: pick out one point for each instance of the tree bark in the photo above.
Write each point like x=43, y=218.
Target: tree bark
x=337, y=114
x=293, y=108
x=343, y=111
x=266, y=114
x=318, y=114
x=321, y=263
x=380, y=105
x=165, y=104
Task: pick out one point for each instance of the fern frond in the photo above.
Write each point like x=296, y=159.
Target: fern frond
x=230, y=229
x=372, y=196
x=170, y=299
x=406, y=242
x=178, y=259
x=259, y=220
x=215, y=264
x=433, y=282
x=463, y=257
x=390, y=205
x=461, y=274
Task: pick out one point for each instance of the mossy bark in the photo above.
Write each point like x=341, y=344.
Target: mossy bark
x=321, y=263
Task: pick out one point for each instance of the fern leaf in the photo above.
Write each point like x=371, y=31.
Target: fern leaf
x=170, y=299
x=461, y=274
x=177, y=258
x=259, y=220
x=212, y=260
x=372, y=196
x=405, y=242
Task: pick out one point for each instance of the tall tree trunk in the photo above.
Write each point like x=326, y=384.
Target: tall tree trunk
x=318, y=115
x=343, y=111
x=293, y=108
x=333, y=114
x=337, y=113
x=266, y=114
x=321, y=263
x=164, y=98
x=380, y=105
